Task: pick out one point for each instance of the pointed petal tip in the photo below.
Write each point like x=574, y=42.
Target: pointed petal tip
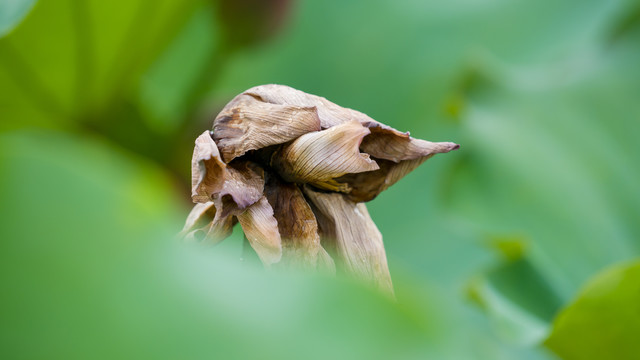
x=448, y=146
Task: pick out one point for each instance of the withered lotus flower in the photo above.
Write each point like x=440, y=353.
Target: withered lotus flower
x=294, y=170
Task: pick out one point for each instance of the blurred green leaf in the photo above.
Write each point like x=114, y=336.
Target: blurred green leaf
x=604, y=320
x=12, y=12
x=69, y=60
x=89, y=269
x=248, y=22
x=516, y=295
x=552, y=155
x=166, y=87
x=628, y=22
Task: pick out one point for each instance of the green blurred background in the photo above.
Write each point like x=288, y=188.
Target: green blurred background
x=522, y=245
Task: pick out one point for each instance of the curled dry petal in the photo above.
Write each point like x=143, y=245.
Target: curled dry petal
x=200, y=215
x=247, y=123
x=205, y=225
x=243, y=184
x=396, y=153
x=325, y=262
x=396, y=145
x=298, y=228
x=261, y=230
x=366, y=186
x=387, y=143
x=329, y=113
x=219, y=229
x=241, y=181
x=352, y=237
x=383, y=142
x=319, y=157
x=207, y=169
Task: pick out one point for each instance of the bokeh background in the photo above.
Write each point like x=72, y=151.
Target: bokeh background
x=521, y=245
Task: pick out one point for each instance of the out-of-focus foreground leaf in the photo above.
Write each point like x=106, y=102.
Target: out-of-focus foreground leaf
x=166, y=88
x=12, y=12
x=604, y=321
x=89, y=269
x=68, y=60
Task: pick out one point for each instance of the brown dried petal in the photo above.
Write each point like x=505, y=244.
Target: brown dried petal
x=241, y=181
x=214, y=233
x=396, y=153
x=243, y=184
x=319, y=157
x=200, y=215
x=247, y=123
x=383, y=142
x=395, y=145
x=353, y=236
x=330, y=114
x=261, y=229
x=325, y=262
x=204, y=224
x=297, y=226
x=207, y=169
x=366, y=186
x=387, y=143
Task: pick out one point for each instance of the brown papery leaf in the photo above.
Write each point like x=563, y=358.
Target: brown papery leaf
x=319, y=157
x=301, y=248
x=261, y=230
x=352, y=236
x=207, y=169
x=247, y=123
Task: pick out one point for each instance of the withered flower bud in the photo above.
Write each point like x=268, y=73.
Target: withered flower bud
x=294, y=170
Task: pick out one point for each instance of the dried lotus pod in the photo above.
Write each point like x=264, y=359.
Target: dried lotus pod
x=294, y=170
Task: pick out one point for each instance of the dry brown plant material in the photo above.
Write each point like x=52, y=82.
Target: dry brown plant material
x=294, y=170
